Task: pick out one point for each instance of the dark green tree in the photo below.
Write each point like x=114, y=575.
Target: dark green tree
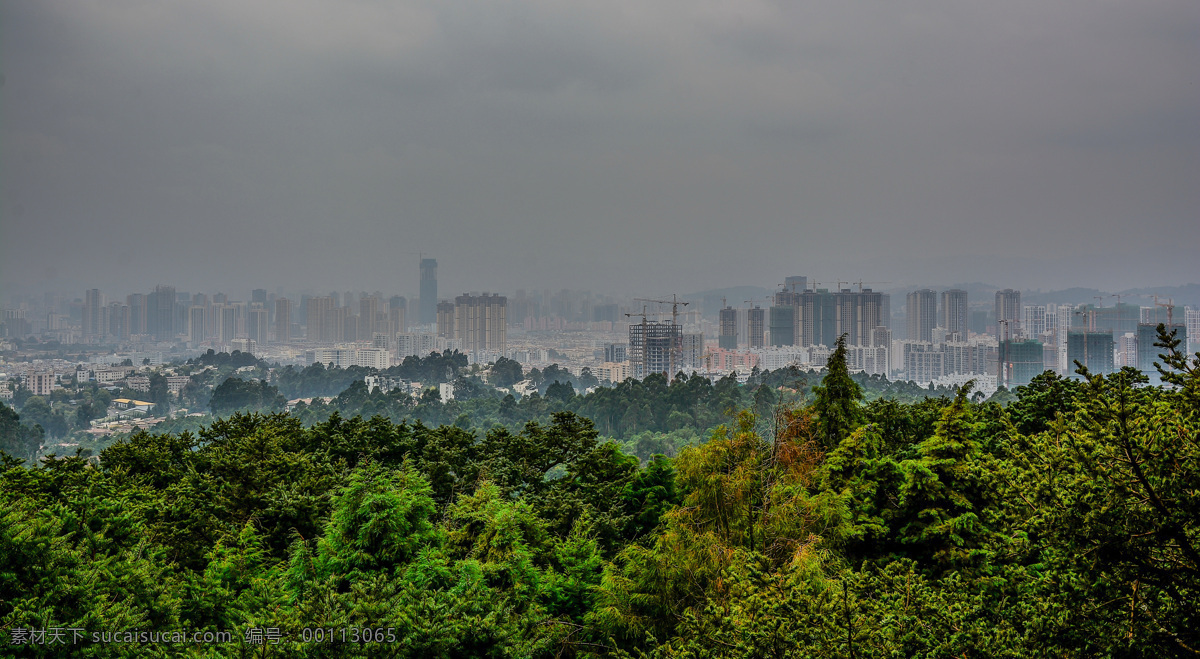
x=837, y=400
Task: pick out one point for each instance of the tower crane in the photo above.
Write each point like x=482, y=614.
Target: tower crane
x=676, y=341
x=861, y=282
x=1170, y=307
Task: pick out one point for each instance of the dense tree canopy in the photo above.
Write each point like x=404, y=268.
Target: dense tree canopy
x=1066, y=524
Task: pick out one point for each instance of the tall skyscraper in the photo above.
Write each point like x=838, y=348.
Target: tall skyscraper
x=727, y=336
x=756, y=321
x=429, y=291
x=137, y=312
x=1033, y=320
x=315, y=317
x=283, y=320
x=954, y=313
x=445, y=319
x=368, y=311
x=921, y=314
x=256, y=324
x=481, y=322
x=197, y=331
x=160, y=313
x=93, y=303
x=1008, y=313
x=397, y=314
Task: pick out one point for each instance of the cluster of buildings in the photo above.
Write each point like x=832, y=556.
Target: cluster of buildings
x=934, y=336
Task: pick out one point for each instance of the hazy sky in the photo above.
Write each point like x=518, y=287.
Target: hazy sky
x=619, y=145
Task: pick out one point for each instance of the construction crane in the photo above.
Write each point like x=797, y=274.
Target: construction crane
x=861, y=282
x=1170, y=307
x=676, y=340
x=1099, y=301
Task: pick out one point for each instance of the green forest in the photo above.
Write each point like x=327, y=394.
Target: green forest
x=814, y=519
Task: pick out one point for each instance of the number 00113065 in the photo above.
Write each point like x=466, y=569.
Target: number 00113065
x=348, y=635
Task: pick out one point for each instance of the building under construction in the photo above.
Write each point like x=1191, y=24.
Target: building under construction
x=653, y=348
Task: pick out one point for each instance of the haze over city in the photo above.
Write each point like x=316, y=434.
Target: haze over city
x=622, y=147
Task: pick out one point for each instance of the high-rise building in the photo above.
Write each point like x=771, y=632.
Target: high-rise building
x=160, y=313
x=397, y=310
x=1008, y=313
x=756, y=321
x=229, y=322
x=795, y=283
x=616, y=352
x=118, y=321
x=654, y=348
x=429, y=292
x=1192, y=323
x=333, y=326
x=1033, y=320
x=197, y=331
x=954, y=314
x=481, y=322
x=1020, y=362
x=1092, y=349
x=1147, y=352
x=137, y=313
x=819, y=316
x=445, y=319
x=317, y=310
x=283, y=320
x=257, y=323
x=259, y=296
x=857, y=314
x=921, y=311
x=727, y=334
x=368, y=313
x=783, y=325
x=93, y=305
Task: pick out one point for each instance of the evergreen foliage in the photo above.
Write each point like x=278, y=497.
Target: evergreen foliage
x=1067, y=524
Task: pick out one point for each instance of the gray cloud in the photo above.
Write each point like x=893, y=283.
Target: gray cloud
x=610, y=145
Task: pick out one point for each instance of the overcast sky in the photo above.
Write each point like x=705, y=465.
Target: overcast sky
x=627, y=146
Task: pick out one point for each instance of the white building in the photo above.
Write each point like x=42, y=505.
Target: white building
x=346, y=357
x=1192, y=323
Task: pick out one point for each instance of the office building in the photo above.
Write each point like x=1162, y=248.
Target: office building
x=1008, y=313
x=921, y=311
x=954, y=316
x=429, y=292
